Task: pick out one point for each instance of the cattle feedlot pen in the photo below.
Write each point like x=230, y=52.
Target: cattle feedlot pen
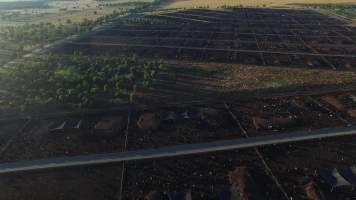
x=179, y=150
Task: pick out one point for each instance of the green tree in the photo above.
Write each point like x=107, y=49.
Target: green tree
x=79, y=82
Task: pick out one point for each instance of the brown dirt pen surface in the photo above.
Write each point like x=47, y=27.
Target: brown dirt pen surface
x=215, y=60
x=203, y=176
x=212, y=53
x=266, y=37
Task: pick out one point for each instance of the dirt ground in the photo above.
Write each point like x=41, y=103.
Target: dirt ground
x=185, y=81
x=69, y=184
x=206, y=176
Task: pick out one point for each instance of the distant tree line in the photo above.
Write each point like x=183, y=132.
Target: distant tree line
x=346, y=10
x=44, y=33
x=146, y=21
x=28, y=36
x=331, y=6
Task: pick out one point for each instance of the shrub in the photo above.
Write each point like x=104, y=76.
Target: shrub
x=80, y=81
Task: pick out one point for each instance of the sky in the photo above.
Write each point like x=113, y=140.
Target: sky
x=16, y=0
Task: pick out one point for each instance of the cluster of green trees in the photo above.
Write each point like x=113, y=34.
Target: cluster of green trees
x=231, y=7
x=125, y=4
x=44, y=33
x=331, y=6
x=236, y=7
x=77, y=80
x=29, y=36
x=346, y=10
x=146, y=21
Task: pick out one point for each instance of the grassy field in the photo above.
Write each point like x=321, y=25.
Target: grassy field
x=233, y=77
x=76, y=16
x=253, y=3
x=239, y=77
x=25, y=26
x=343, y=10
x=17, y=13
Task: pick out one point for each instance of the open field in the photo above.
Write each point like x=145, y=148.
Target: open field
x=252, y=3
x=32, y=25
x=214, y=54
x=229, y=75
x=303, y=39
x=303, y=50
x=57, y=12
x=225, y=53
